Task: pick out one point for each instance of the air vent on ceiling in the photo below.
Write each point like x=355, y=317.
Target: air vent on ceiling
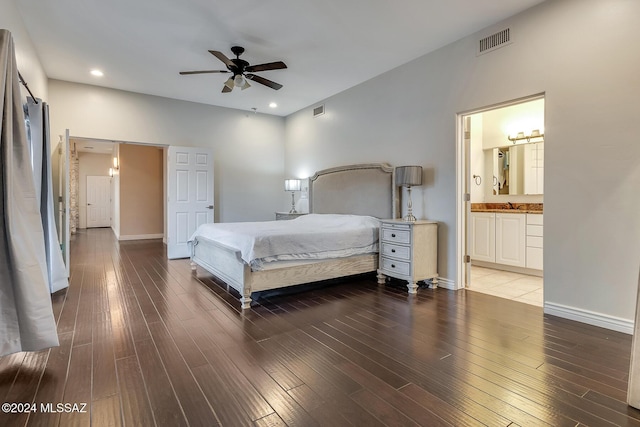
x=318, y=111
x=494, y=41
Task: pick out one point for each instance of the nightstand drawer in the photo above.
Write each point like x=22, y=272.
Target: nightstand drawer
x=397, y=267
x=396, y=251
x=396, y=236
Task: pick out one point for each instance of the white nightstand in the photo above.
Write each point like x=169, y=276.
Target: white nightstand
x=409, y=251
x=287, y=215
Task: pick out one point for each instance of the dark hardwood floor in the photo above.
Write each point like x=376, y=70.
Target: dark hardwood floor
x=144, y=342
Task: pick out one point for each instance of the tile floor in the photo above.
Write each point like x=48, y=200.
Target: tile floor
x=504, y=284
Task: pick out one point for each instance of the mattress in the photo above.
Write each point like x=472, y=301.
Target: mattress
x=306, y=238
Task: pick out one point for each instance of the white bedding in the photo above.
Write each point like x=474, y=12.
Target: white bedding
x=308, y=237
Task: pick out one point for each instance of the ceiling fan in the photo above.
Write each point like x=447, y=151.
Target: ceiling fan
x=241, y=71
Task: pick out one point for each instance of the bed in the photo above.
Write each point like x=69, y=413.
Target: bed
x=359, y=190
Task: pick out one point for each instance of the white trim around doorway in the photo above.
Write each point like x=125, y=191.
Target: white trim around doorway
x=462, y=183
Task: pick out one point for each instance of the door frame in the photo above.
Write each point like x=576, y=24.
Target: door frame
x=115, y=177
x=64, y=195
x=463, y=182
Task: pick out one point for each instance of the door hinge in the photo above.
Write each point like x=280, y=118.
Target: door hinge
x=466, y=197
x=467, y=258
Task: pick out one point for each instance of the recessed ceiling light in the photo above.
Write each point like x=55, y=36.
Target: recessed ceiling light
x=97, y=73
x=273, y=105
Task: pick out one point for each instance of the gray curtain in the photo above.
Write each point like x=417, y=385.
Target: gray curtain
x=38, y=136
x=26, y=315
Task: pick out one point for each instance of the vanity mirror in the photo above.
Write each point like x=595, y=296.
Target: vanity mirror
x=515, y=169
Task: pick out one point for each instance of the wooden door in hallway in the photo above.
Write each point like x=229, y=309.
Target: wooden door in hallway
x=98, y=201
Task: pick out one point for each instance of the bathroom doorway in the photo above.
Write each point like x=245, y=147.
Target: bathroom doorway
x=500, y=212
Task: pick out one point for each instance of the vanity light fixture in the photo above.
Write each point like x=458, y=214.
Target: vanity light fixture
x=111, y=172
x=521, y=136
x=292, y=185
x=116, y=166
x=408, y=176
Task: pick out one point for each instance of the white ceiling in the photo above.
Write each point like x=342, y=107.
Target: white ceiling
x=328, y=45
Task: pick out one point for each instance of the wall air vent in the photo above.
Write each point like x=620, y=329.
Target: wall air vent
x=494, y=41
x=318, y=111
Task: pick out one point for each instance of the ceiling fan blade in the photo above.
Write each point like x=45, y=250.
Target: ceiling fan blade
x=228, y=85
x=278, y=65
x=222, y=57
x=184, y=73
x=262, y=80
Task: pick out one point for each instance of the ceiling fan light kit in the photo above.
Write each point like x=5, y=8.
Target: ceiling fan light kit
x=242, y=71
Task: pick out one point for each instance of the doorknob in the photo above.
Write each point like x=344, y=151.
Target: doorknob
x=210, y=207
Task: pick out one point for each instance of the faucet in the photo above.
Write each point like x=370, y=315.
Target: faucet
x=510, y=205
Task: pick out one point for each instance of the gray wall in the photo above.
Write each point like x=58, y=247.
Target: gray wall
x=579, y=53
x=26, y=55
x=248, y=147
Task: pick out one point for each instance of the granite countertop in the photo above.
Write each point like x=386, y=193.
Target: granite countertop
x=534, y=208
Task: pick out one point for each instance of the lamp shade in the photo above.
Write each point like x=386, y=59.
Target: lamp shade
x=291, y=185
x=409, y=175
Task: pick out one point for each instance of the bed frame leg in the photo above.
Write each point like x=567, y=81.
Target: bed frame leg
x=245, y=299
x=413, y=287
x=193, y=266
x=245, y=303
x=382, y=279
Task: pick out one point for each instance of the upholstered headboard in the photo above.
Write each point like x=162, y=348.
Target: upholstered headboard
x=363, y=189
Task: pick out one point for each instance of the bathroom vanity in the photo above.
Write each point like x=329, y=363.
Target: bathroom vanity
x=507, y=235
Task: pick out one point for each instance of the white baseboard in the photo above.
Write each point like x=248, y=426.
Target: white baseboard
x=590, y=317
x=447, y=284
x=141, y=236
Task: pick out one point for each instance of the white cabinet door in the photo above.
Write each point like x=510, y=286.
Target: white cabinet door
x=534, y=168
x=540, y=167
x=511, y=239
x=483, y=236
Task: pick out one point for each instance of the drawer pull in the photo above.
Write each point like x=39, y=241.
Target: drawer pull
x=393, y=235
x=393, y=251
x=393, y=266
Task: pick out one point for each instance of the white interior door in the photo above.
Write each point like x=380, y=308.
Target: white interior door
x=62, y=195
x=189, y=196
x=98, y=201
